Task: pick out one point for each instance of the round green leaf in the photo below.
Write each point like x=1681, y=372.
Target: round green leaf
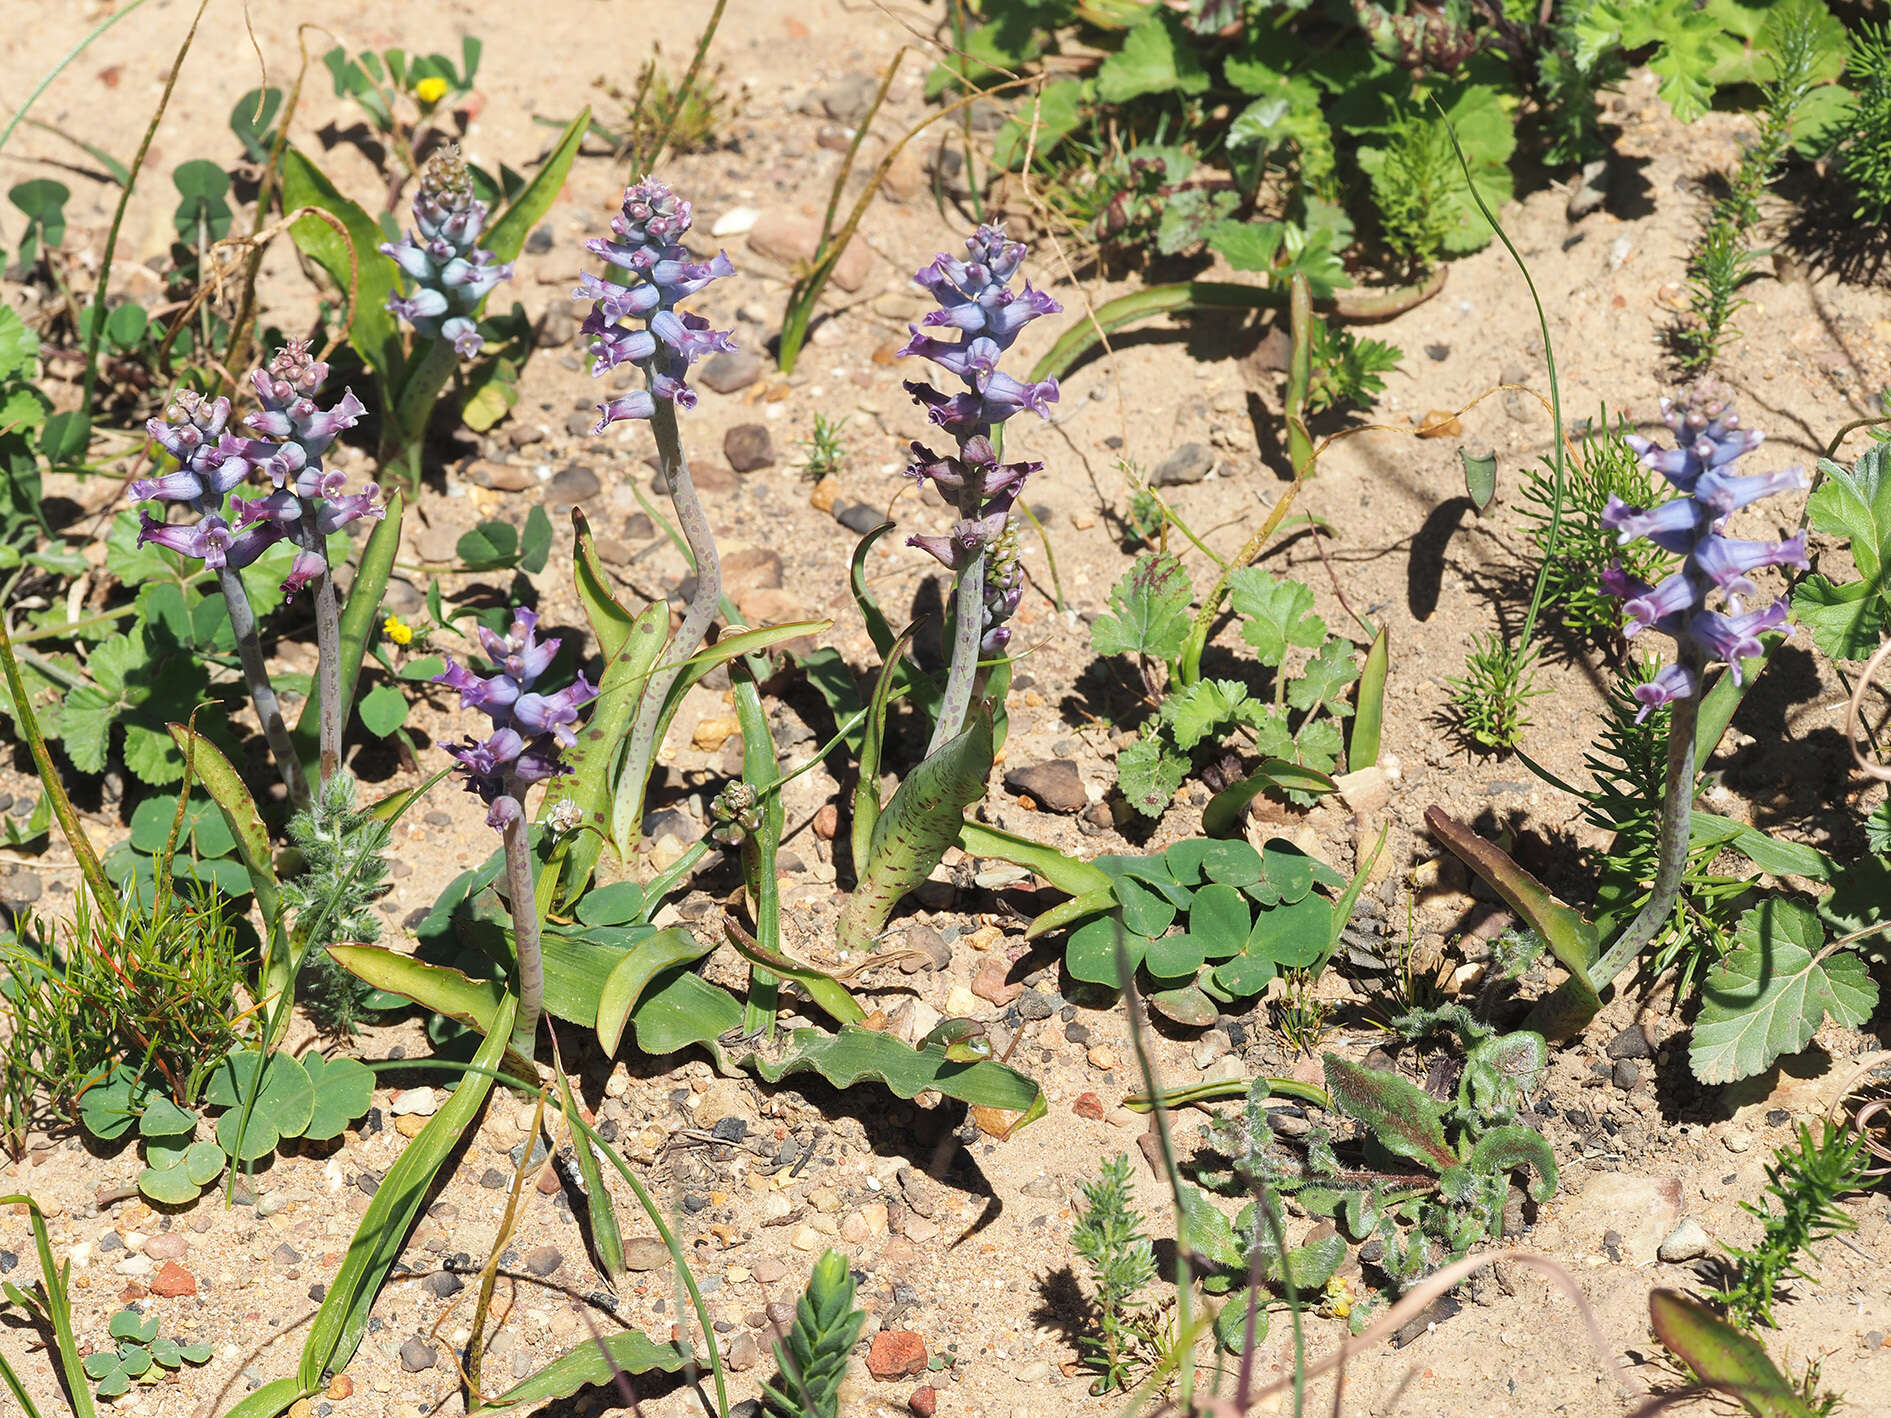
x=164, y=1353
x=1091, y=952
x=134, y=1359
x=1220, y=919
x=1289, y=870
x=107, y=1110
x=1184, y=859
x=163, y=1118
x=170, y=1185
x=195, y=1353
x=1145, y=913
x=1244, y=975
x=1187, y=1006
x=1174, y=957
x=203, y=1161
x=101, y=1363
x=126, y=324
x=1295, y=936
x=1231, y=863
x=249, y=1144
x=129, y=1324
x=383, y=709
x=343, y=1090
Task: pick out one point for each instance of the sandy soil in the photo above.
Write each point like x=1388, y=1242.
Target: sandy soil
x=972, y=1252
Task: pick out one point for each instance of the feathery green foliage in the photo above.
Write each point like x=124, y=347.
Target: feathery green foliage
x=332, y=901
x=1108, y=1236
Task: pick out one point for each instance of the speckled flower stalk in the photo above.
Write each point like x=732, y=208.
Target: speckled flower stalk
x=449, y=273
x=975, y=298
x=210, y=465
x=635, y=321
x=530, y=731
x=308, y=503
x=1710, y=440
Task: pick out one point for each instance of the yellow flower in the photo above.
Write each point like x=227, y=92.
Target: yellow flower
x=397, y=630
x=430, y=91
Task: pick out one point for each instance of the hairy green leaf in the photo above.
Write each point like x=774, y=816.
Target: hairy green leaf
x=1151, y=605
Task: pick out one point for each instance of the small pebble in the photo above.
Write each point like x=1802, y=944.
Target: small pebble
x=417, y=1356
x=1685, y=1242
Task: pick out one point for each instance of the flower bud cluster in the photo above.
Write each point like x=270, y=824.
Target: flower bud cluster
x=657, y=272
x=308, y=502
x=1710, y=441
x=531, y=730
x=451, y=275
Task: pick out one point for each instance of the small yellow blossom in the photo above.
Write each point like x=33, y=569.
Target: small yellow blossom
x=397, y=630
x=430, y=91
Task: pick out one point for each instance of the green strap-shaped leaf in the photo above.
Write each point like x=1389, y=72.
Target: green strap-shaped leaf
x=921, y=820
x=1725, y=1359
x=872, y=745
x=761, y=772
x=1404, y=1118
x=625, y=985
x=58, y=1309
x=854, y=1054
x=370, y=275
x=1067, y=874
x=1571, y=939
x=1222, y=816
x=505, y=238
x=233, y=800
x=827, y=992
x=606, y=1238
x=475, y=1003
x=591, y=1363
x=343, y=1318
x=1363, y=751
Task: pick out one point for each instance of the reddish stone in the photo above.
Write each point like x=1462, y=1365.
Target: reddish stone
x=896, y=1354
x=990, y=983
x=1088, y=1105
x=173, y=1282
x=924, y=1402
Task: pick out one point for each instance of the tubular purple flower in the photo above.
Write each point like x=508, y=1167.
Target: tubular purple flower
x=650, y=225
x=1674, y=682
x=463, y=335
x=1690, y=525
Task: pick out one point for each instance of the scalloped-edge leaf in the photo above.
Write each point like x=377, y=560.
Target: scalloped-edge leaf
x=594, y=1362
x=854, y=1054
x=1724, y=1359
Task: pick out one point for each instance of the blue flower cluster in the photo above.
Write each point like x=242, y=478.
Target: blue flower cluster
x=1710, y=441
x=531, y=730
x=663, y=341
x=451, y=275
x=975, y=298
x=308, y=502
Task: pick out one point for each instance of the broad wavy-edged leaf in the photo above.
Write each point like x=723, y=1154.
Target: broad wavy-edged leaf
x=1723, y=1357
x=681, y=1010
x=1771, y=992
x=920, y=821
x=630, y=1352
x=1767, y=852
x=855, y=1054
x=474, y=1003
x=372, y=329
x=1231, y=1323
x=1404, y=1118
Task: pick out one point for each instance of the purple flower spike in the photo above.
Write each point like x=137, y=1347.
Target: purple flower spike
x=1713, y=441
x=530, y=729
x=451, y=275
x=657, y=272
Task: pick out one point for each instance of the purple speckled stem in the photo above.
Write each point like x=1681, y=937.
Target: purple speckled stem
x=696, y=620
x=249, y=649
x=968, y=629
x=1677, y=808
x=524, y=902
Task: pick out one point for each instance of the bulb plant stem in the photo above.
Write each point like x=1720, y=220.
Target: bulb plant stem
x=249, y=649
x=702, y=606
x=1677, y=811
x=521, y=888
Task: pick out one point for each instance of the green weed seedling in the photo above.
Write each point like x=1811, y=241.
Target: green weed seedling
x=823, y=448
x=1297, y=718
x=141, y=1353
x=1108, y=1236
x=813, y=1356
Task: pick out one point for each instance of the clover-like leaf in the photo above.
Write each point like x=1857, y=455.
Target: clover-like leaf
x=1090, y=954
x=1294, y=936
x=108, y=1109
x=1187, y=1006
x=284, y=1103
x=344, y=1090
x=129, y=1324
